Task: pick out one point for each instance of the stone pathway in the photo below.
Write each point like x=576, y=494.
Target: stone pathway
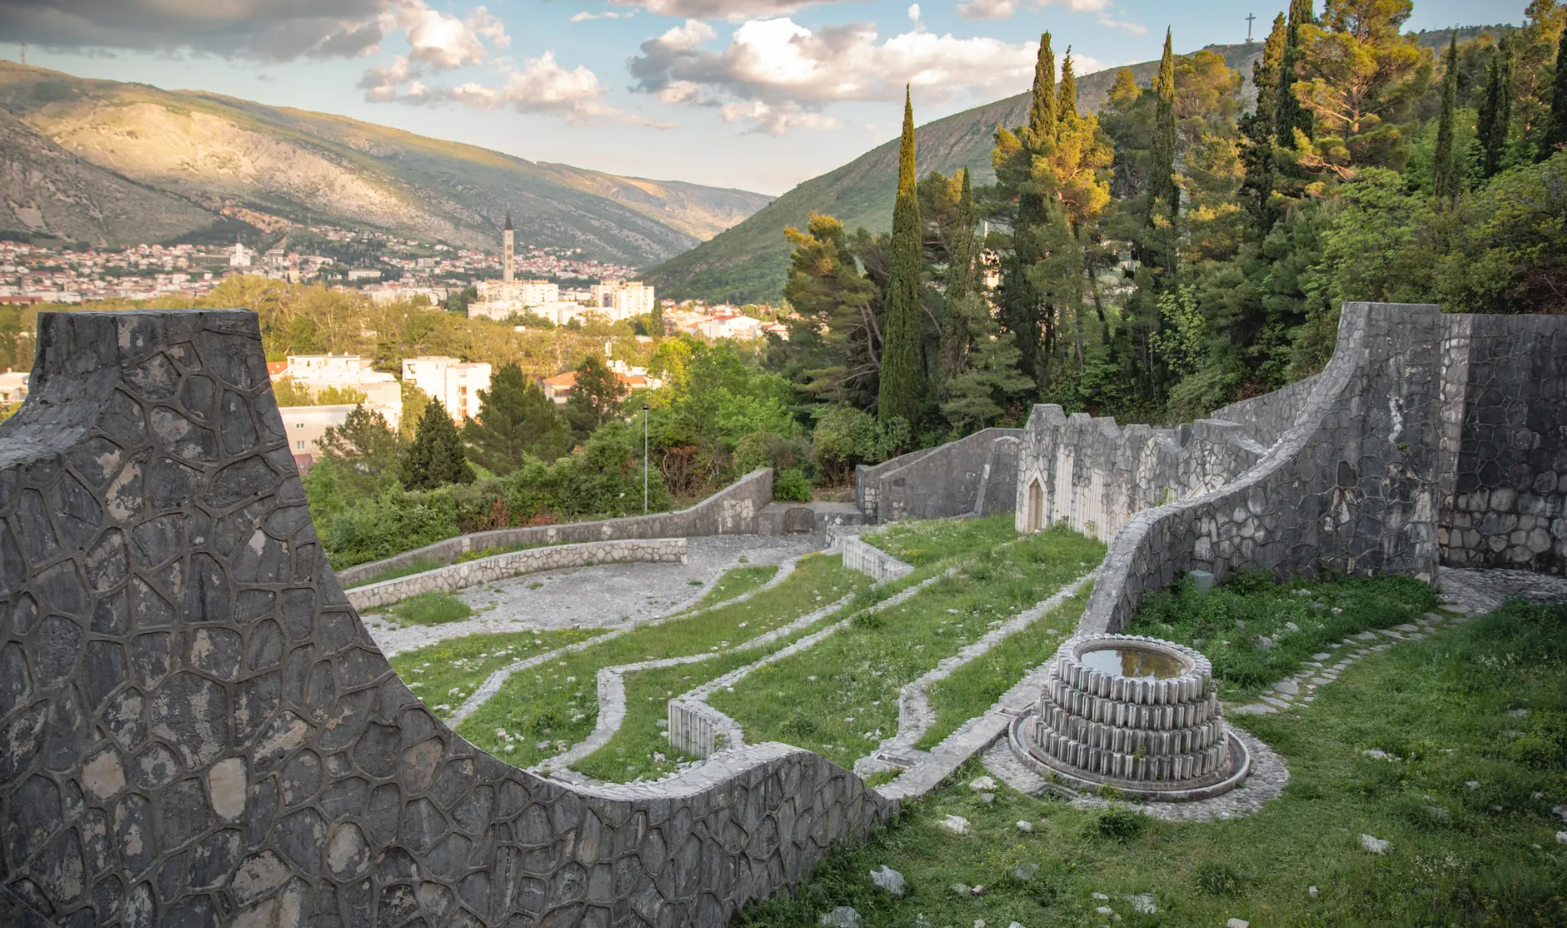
x=1484, y=591
x=603, y=596
x=492, y=684
x=916, y=714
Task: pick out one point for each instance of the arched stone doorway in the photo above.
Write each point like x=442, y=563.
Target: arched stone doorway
x=1034, y=514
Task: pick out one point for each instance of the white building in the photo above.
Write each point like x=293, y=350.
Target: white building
x=13, y=386
x=240, y=257
x=623, y=299
x=316, y=372
x=499, y=299
x=305, y=425
x=455, y=383
x=727, y=326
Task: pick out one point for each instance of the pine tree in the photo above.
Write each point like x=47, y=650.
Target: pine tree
x=515, y=419
x=1164, y=192
x=960, y=284
x=1445, y=170
x=595, y=398
x=901, y=389
x=435, y=457
x=1066, y=94
x=366, y=444
x=1290, y=114
x=1555, y=134
x=1496, y=111
x=1042, y=108
x=1257, y=131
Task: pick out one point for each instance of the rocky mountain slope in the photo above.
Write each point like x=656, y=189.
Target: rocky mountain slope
x=198, y=155
x=750, y=262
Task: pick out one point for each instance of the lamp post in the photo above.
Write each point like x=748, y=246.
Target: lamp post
x=644, y=459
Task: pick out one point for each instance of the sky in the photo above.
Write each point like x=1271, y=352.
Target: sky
x=754, y=94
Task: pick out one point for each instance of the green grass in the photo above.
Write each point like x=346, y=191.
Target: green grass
x=924, y=542
x=558, y=704
x=975, y=687
x=1483, y=855
x=1324, y=614
x=841, y=697
x=445, y=674
x=428, y=609
x=736, y=582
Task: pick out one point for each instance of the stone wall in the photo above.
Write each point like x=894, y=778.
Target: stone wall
x=731, y=511
x=941, y=482
x=872, y=561
x=1504, y=443
x=196, y=729
x=515, y=563
x=1092, y=474
x=1350, y=485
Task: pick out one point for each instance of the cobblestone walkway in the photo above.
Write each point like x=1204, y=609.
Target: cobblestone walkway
x=603, y=596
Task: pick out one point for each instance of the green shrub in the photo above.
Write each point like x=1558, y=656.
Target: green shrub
x=1120, y=824
x=792, y=486
x=431, y=609
x=1217, y=879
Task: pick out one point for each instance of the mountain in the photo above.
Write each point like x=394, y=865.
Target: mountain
x=749, y=263
x=78, y=156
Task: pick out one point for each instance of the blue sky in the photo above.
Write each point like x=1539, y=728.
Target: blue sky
x=756, y=94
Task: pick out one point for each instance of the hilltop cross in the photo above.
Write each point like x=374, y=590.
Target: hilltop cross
x=1250, y=17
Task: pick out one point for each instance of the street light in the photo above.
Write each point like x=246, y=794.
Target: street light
x=644, y=459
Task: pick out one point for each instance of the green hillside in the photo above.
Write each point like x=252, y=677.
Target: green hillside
x=749, y=262
x=274, y=166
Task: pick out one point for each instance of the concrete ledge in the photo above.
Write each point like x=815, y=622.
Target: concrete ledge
x=517, y=563
x=872, y=561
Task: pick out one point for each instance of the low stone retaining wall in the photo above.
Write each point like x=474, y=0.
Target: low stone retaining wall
x=516, y=563
x=731, y=511
x=962, y=477
x=872, y=561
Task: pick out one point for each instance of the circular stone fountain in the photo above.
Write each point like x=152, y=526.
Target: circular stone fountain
x=1139, y=714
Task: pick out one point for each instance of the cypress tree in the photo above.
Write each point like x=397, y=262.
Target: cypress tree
x=1258, y=131
x=902, y=370
x=1445, y=168
x=1555, y=134
x=960, y=283
x=1066, y=95
x=1042, y=109
x=435, y=457
x=515, y=419
x=1496, y=110
x=1164, y=193
x=1290, y=114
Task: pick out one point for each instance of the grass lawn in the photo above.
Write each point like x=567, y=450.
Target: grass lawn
x=975, y=687
x=426, y=609
x=557, y=704
x=929, y=541
x=841, y=697
x=445, y=674
x=1298, y=618
x=736, y=581
x=1474, y=719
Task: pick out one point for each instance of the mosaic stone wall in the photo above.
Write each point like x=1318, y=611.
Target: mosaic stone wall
x=1504, y=443
x=195, y=728
x=1351, y=484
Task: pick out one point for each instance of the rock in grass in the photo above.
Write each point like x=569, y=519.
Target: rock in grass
x=959, y=889
x=987, y=798
x=1143, y=904
x=1237, y=923
x=1024, y=828
x=1313, y=892
x=954, y=825
x=1561, y=837
x=1374, y=845
x=980, y=784
x=889, y=880
x=1025, y=872
x=841, y=917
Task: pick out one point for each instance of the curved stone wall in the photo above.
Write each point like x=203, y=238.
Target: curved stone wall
x=195, y=728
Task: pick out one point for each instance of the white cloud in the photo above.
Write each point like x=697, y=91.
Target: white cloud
x=1128, y=25
x=730, y=10
x=585, y=16
x=775, y=120
x=1003, y=9
x=794, y=73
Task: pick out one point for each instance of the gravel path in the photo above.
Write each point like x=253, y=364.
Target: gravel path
x=596, y=597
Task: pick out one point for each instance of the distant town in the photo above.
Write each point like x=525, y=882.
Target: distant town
x=522, y=286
